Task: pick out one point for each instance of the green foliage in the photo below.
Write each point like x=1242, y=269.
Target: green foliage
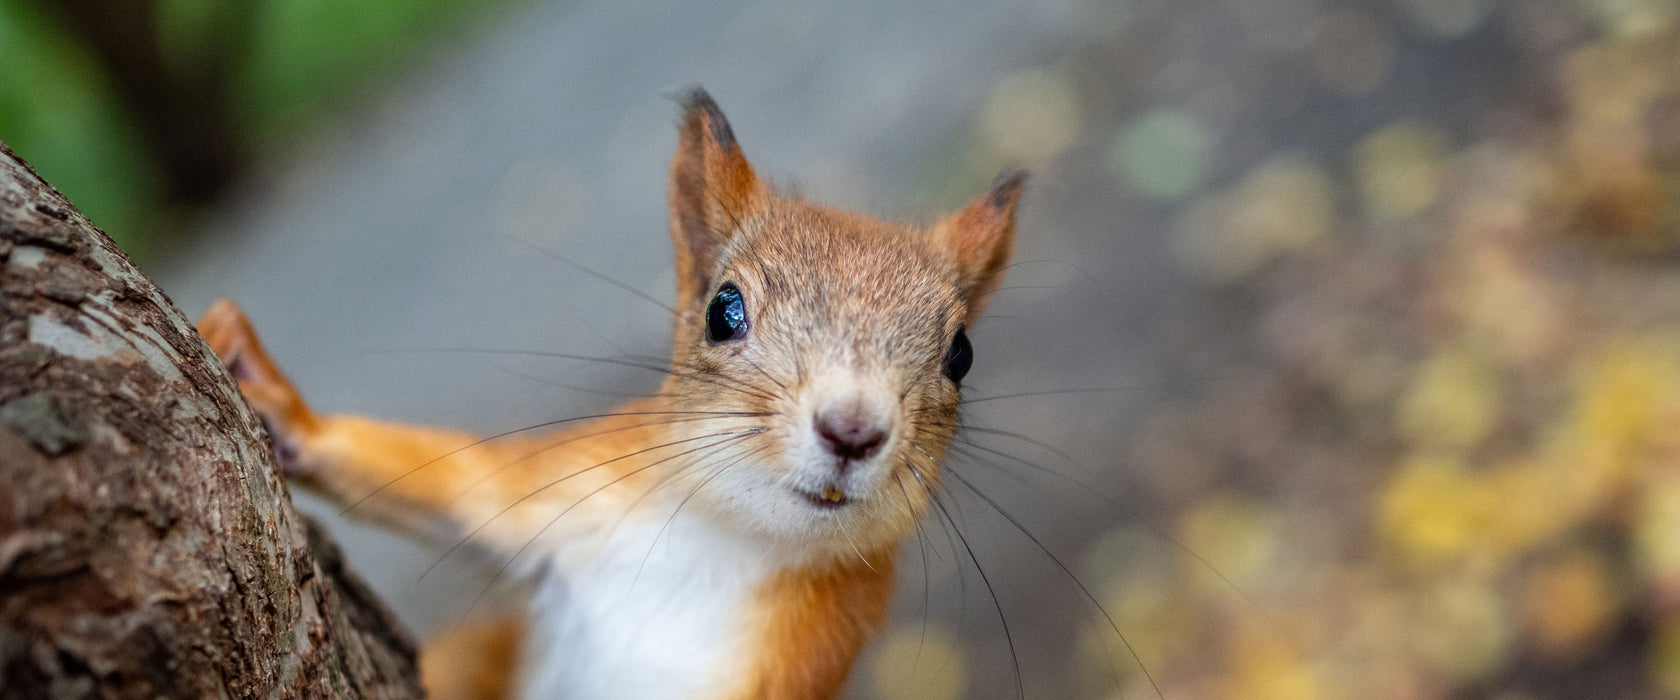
x=58, y=113
x=305, y=52
x=289, y=59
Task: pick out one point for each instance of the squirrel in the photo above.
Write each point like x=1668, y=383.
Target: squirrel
x=734, y=535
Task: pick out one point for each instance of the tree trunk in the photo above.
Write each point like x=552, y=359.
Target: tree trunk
x=148, y=547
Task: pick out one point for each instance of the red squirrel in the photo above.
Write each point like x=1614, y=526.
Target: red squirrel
x=734, y=535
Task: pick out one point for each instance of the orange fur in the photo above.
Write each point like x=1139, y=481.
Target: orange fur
x=712, y=189
x=233, y=338
x=476, y=660
x=439, y=483
x=809, y=626
x=872, y=304
x=982, y=237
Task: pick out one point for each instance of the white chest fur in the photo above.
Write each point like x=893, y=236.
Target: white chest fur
x=644, y=613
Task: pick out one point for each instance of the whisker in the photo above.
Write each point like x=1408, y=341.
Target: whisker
x=551, y=484
x=964, y=442
x=848, y=535
x=1038, y=261
x=1099, y=494
x=950, y=542
x=501, y=572
x=921, y=543
x=947, y=525
x=528, y=428
x=961, y=450
x=733, y=436
x=1020, y=687
x=1066, y=571
x=580, y=267
x=574, y=387
x=662, y=483
x=1140, y=386
x=1047, y=447
x=671, y=478
x=766, y=374
x=741, y=385
x=575, y=438
x=712, y=376
x=580, y=358
x=661, y=533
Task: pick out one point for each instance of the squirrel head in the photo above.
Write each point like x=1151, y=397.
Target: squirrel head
x=837, y=343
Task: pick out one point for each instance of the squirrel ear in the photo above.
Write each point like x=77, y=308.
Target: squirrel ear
x=712, y=189
x=981, y=237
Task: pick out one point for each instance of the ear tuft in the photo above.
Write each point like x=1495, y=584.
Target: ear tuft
x=1006, y=190
x=698, y=106
x=981, y=237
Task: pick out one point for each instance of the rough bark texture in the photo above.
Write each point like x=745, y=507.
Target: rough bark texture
x=148, y=547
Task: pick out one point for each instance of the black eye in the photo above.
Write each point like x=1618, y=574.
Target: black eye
x=726, y=316
x=959, y=358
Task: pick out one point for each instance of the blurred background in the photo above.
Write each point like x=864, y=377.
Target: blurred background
x=1342, y=358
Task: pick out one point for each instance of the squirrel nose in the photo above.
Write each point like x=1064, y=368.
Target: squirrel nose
x=850, y=432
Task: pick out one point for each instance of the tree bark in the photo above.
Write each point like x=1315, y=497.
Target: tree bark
x=148, y=547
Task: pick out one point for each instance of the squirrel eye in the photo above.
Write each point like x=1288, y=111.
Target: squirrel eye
x=959, y=358
x=726, y=316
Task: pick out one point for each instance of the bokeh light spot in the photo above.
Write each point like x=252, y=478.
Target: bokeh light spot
x=1401, y=168
x=1631, y=18
x=1162, y=155
x=1453, y=403
x=1030, y=117
x=909, y=665
x=1286, y=204
x=1569, y=602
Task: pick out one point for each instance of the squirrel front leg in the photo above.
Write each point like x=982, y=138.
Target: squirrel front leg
x=372, y=466
x=407, y=477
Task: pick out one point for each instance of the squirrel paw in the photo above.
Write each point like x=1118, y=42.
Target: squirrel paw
x=282, y=410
